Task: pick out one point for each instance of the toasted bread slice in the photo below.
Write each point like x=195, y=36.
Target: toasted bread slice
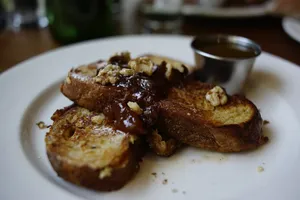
x=81, y=88
x=191, y=119
x=148, y=82
x=84, y=150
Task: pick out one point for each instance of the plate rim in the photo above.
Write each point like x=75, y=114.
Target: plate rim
x=231, y=12
x=287, y=22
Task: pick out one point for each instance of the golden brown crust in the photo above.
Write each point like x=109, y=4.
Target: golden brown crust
x=89, y=177
x=86, y=92
x=91, y=153
x=195, y=123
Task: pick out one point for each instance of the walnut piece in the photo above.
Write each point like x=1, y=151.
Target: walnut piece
x=132, y=139
x=160, y=146
x=108, y=74
x=106, y=172
x=142, y=65
x=216, y=96
x=260, y=169
x=134, y=107
x=88, y=70
x=68, y=80
x=125, y=54
x=42, y=125
x=176, y=66
x=126, y=72
x=98, y=119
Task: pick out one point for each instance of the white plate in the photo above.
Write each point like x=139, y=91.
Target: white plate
x=30, y=93
x=228, y=12
x=292, y=27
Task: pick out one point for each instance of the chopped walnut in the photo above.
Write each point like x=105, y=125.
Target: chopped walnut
x=108, y=74
x=42, y=125
x=126, y=72
x=142, y=65
x=98, y=119
x=106, y=172
x=68, y=80
x=74, y=119
x=88, y=70
x=176, y=66
x=125, y=54
x=216, y=96
x=260, y=169
x=132, y=139
x=161, y=147
x=135, y=107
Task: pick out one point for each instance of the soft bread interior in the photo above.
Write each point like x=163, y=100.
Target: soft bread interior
x=81, y=141
x=235, y=111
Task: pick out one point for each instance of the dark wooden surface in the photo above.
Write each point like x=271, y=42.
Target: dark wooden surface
x=16, y=47
x=267, y=31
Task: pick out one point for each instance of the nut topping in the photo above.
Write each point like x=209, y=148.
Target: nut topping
x=108, y=74
x=68, y=80
x=142, y=65
x=176, y=66
x=88, y=70
x=135, y=107
x=98, y=119
x=216, y=96
x=106, y=172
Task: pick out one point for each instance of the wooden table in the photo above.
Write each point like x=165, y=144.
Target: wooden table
x=267, y=31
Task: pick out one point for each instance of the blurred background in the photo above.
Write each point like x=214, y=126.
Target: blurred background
x=31, y=27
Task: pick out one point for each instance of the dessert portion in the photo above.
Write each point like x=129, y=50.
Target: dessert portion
x=124, y=107
x=204, y=116
x=85, y=150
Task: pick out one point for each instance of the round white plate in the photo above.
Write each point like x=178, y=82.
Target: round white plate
x=228, y=12
x=30, y=93
x=292, y=27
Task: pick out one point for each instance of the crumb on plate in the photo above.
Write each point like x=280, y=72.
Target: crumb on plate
x=154, y=174
x=260, y=169
x=174, y=190
x=42, y=125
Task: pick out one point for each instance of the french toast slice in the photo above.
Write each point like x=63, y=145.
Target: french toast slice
x=143, y=82
x=191, y=119
x=81, y=88
x=86, y=151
